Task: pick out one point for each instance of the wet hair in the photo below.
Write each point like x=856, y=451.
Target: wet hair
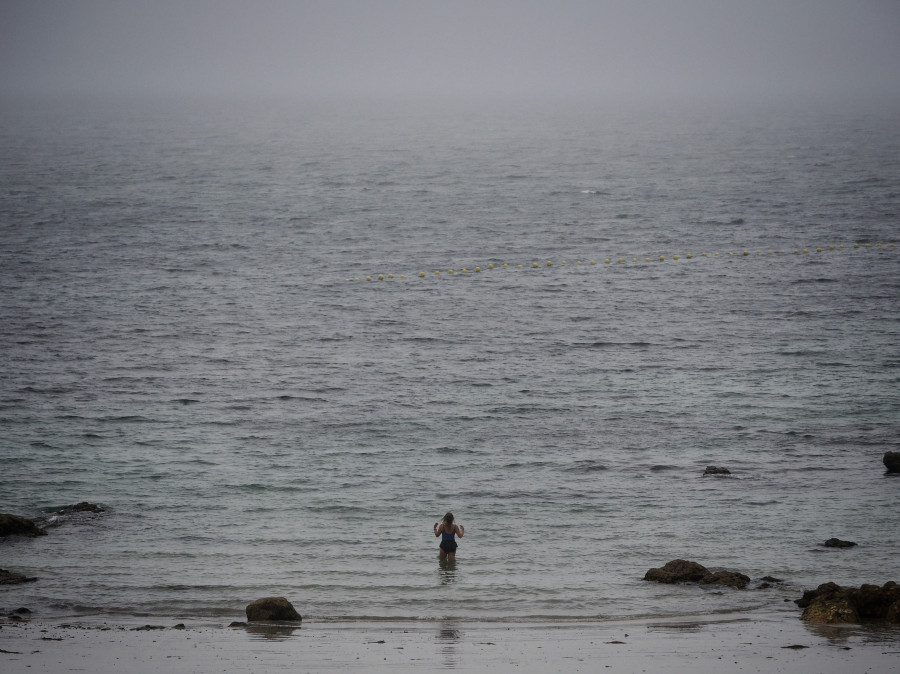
x=448, y=518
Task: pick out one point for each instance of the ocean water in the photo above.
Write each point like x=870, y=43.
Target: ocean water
x=184, y=341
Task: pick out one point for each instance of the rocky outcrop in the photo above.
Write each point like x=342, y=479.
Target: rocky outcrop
x=10, y=578
x=830, y=603
x=271, y=608
x=13, y=525
x=677, y=571
x=838, y=543
x=716, y=470
x=727, y=579
x=892, y=461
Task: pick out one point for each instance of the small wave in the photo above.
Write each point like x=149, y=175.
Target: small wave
x=612, y=345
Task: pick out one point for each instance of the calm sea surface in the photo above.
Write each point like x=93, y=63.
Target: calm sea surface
x=184, y=342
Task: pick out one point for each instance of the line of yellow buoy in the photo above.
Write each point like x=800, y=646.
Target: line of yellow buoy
x=620, y=260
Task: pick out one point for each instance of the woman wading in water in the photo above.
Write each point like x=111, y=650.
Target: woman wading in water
x=447, y=530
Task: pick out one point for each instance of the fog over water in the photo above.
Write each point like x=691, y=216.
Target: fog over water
x=615, y=48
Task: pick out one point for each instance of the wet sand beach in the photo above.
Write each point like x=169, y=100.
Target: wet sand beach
x=761, y=642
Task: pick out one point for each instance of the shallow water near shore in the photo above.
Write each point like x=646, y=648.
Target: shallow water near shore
x=185, y=343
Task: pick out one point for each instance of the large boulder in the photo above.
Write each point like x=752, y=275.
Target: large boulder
x=271, y=608
x=830, y=603
x=677, y=571
x=892, y=461
x=726, y=578
x=13, y=525
x=838, y=543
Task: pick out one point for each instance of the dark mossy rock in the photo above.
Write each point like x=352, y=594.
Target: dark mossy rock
x=838, y=543
x=677, y=571
x=892, y=461
x=13, y=525
x=272, y=608
x=727, y=579
x=716, y=470
x=830, y=603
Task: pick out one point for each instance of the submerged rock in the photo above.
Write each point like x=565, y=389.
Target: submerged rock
x=677, y=571
x=13, y=525
x=83, y=507
x=830, y=603
x=271, y=608
x=716, y=470
x=892, y=461
x=726, y=578
x=838, y=543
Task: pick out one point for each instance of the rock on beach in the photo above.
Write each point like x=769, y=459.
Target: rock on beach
x=830, y=603
x=271, y=608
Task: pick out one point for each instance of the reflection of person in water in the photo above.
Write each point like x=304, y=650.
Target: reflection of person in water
x=448, y=530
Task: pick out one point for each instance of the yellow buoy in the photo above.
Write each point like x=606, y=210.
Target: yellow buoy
x=368, y=278
x=702, y=254
x=534, y=265
x=549, y=263
x=634, y=259
x=465, y=271
x=579, y=262
x=477, y=269
x=674, y=257
x=490, y=265
x=856, y=245
x=746, y=252
x=449, y=271
x=402, y=275
x=437, y=272
x=661, y=258
x=689, y=256
x=592, y=262
x=421, y=274
x=505, y=265
x=606, y=261
x=621, y=260
x=646, y=259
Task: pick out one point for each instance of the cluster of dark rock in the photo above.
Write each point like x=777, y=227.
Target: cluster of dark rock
x=683, y=571
x=14, y=525
x=830, y=603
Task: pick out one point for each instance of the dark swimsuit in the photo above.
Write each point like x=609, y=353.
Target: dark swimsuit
x=448, y=543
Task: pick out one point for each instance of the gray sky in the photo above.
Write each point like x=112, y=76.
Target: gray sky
x=301, y=47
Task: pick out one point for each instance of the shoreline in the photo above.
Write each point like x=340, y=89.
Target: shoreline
x=764, y=641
